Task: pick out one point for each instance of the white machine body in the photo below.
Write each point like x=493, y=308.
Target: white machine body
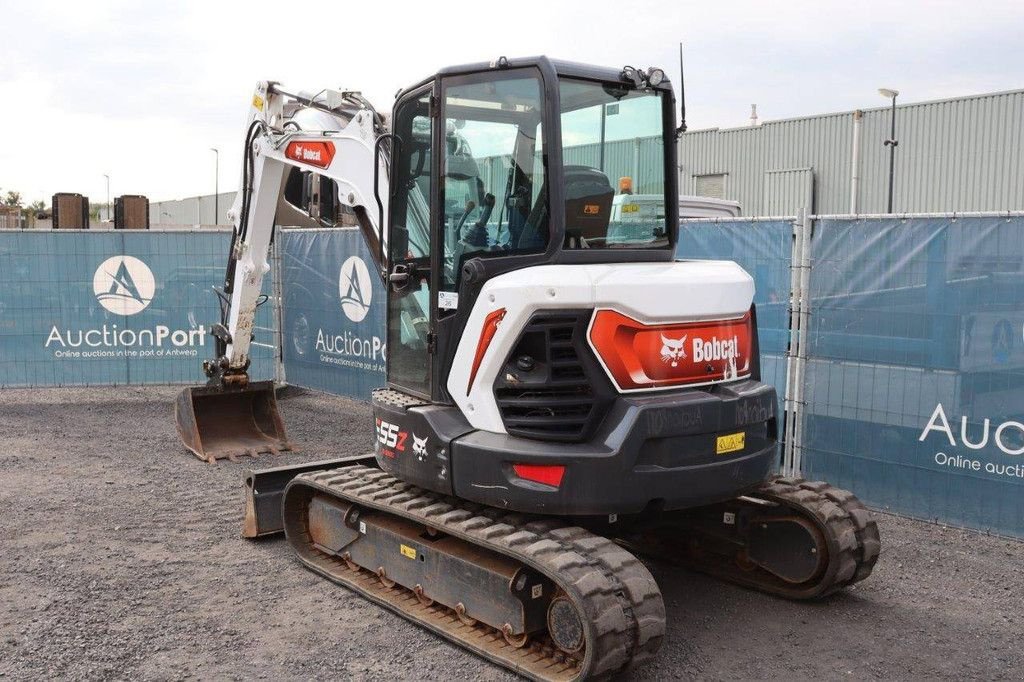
x=652, y=293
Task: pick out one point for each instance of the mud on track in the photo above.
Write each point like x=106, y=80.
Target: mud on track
x=120, y=556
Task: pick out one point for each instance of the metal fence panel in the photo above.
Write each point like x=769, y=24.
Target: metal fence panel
x=333, y=338
x=915, y=381
x=79, y=308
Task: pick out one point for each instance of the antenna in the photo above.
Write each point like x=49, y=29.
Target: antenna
x=682, y=95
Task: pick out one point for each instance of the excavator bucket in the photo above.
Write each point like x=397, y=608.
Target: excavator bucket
x=218, y=423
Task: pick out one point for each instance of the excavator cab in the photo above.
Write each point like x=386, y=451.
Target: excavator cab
x=503, y=166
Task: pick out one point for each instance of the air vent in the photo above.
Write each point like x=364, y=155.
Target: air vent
x=545, y=390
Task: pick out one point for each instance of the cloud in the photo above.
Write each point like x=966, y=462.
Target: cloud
x=140, y=91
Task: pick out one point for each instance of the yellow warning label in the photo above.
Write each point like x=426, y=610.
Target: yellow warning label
x=408, y=552
x=631, y=208
x=730, y=443
x=257, y=102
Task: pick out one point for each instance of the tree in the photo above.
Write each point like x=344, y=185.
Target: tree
x=13, y=198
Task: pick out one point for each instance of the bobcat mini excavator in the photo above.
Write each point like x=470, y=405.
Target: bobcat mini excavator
x=561, y=390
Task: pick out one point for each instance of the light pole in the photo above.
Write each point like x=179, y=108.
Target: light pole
x=892, y=141
x=216, y=185
x=108, y=196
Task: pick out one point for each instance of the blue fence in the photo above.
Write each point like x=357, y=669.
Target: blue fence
x=81, y=308
x=912, y=373
x=333, y=333
x=915, y=372
x=912, y=370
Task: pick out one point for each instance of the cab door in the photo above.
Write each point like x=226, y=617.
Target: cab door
x=409, y=312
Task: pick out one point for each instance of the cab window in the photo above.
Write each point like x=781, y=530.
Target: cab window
x=494, y=200
x=605, y=127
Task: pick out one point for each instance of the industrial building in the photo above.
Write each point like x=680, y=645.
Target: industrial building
x=207, y=210
x=954, y=155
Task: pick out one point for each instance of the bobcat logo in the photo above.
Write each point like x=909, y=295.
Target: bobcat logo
x=419, y=447
x=672, y=350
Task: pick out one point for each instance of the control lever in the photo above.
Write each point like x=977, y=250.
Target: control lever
x=478, y=234
x=470, y=205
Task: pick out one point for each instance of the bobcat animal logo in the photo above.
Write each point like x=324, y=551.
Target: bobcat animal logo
x=419, y=447
x=124, y=285
x=355, y=288
x=673, y=350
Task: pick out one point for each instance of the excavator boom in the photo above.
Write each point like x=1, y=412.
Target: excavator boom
x=332, y=134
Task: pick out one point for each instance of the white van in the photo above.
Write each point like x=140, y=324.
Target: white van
x=648, y=207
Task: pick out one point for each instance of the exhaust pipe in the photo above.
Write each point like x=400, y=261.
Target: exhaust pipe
x=216, y=422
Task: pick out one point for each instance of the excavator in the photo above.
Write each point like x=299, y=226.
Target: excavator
x=563, y=394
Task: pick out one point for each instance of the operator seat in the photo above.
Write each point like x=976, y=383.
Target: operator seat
x=588, y=202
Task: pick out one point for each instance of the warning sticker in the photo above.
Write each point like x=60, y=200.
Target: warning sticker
x=731, y=443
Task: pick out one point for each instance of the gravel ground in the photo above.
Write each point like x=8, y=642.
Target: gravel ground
x=120, y=557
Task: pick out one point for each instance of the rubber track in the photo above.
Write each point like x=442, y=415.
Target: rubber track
x=621, y=605
x=843, y=514
x=850, y=532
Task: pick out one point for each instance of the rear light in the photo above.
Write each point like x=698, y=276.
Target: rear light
x=639, y=356
x=486, y=335
x=548, y=474
x=313, y=152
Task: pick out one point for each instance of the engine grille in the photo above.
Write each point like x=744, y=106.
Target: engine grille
x=547, y=390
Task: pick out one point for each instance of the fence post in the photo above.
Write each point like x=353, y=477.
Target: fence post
x=800, y=379
x=789, y=404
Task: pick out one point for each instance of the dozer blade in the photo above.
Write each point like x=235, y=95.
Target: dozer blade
x=264, y=490
x=218, y=423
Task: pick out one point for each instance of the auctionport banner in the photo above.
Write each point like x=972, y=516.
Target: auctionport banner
x=333, y=338
x=915, y=382
x=111, y=308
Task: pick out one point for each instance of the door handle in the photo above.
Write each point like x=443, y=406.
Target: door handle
x=399, y=276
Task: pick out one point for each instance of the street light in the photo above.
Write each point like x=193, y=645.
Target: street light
x=892, y=141
x=108, y=196
x=216, y=184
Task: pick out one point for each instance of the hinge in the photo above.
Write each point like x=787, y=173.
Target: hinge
x=431, y=343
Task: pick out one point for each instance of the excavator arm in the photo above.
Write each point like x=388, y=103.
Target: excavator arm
x=337, y=135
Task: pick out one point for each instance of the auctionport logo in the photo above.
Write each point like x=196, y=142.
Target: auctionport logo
x=124, y=285
x=355, y=289
x=350, y=348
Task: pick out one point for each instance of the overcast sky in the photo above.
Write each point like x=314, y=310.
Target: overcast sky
x=141, y=91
